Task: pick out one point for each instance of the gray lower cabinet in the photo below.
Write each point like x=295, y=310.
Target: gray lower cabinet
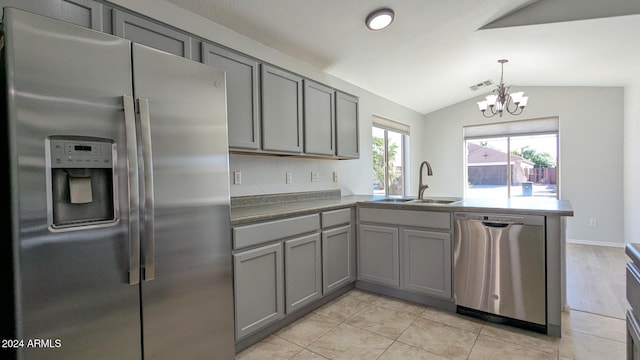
x=303, y=271
x=633, y=336
x=319, y=119
x=243, y=85
x=85, y=13
x=337, y=258
x=406, y=249
x=378, y=255
x=281, y=110
x=258, y=288
x=633, y=298
x=289, y=264
x=152, y=34
x=347, y=126
x=426, y=267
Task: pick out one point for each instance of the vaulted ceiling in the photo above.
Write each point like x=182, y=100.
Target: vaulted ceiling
x=435, y=50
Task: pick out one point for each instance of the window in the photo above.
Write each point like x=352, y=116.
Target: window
x=513, y=159
x=389, y=139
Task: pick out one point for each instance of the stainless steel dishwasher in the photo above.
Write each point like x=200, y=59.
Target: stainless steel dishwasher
x=499, y=268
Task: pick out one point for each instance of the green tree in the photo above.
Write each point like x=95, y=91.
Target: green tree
x=378, y=162
x=540, y=159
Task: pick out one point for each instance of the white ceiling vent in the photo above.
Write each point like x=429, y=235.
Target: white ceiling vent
x=481, y=85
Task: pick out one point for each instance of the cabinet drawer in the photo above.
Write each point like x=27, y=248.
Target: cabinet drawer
x=255, y=234
x=336, y=217
x=423, y=219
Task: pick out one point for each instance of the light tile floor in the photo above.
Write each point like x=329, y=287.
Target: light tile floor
x=363, y=325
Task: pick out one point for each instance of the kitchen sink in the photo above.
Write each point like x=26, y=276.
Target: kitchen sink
x=414, y=201
x=395, y=200
x=435, y=201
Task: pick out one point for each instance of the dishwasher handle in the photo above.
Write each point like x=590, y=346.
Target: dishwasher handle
x=498, y=225
x=495, y=224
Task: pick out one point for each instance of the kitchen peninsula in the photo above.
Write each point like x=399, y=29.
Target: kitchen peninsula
x=329, y=231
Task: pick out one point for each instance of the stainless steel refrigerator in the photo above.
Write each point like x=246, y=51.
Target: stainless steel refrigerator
x=118, y=167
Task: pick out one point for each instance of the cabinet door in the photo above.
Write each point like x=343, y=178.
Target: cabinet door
x=378, y=255
x=319, y=119
x=151, y=34
x=303, y=277
x=243, y=111
x=258, y=288
x=281, y=110
x=347, y=126
x=87, y=13
x=426, y=262
x=633, y=336
x=336, y=258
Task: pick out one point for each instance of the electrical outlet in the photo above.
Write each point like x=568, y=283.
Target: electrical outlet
x=289, y=178
x=314, y=176
x=593, y=222
x=237, y=177
x=335, y=176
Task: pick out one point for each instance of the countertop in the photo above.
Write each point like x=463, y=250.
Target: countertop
x=248, y=214
x=245, y=214
x=633, y=252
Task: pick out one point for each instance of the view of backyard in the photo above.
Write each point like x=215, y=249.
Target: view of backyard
x=496, y=167
x=513, y=166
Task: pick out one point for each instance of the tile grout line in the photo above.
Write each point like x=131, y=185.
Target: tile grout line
x=475, y=341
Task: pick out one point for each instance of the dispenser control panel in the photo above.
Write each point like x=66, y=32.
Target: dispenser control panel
x=81, y=154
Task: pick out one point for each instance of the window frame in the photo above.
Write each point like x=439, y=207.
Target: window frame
x=404, y=137
x=508, y=130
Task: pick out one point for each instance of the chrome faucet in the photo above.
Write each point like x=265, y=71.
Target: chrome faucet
x=422, y=186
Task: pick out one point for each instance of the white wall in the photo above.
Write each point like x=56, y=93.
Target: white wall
x=591, y=152
x=632, y=163
x=266, y=175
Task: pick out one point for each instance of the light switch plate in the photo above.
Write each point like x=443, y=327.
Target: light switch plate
x=314, y=176
x=237, y=177
x=335, y=176
x=289, y=178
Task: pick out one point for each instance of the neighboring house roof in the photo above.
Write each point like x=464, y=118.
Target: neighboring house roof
x=482, y=155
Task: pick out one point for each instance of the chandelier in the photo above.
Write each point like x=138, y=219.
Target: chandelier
x=501, y=100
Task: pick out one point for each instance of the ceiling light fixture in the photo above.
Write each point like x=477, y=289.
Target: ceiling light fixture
x=380, y=19
x=501, y=100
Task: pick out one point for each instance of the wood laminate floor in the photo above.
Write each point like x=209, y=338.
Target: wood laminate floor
x=596, y=279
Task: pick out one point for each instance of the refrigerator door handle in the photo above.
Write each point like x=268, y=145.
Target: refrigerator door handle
x=149, y=229
x=134, y=197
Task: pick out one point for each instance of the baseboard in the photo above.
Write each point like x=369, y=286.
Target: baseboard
x=597, y=243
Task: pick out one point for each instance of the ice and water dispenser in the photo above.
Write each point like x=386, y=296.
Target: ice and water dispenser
x=81, y=181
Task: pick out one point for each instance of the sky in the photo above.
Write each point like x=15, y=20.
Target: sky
x=541, y=143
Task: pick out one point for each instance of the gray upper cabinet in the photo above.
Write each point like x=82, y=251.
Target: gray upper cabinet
x=303, y=271
x=426, y=262
x=85, y=13
x=145, y=32
x=347, y=126
x=281, y=110
x=319, y=119
x=243, y=110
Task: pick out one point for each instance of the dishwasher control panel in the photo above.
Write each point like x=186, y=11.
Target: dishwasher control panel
x=501, y=218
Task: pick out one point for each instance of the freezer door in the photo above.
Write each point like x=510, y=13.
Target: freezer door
x=187, y=301
x=72, y=285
